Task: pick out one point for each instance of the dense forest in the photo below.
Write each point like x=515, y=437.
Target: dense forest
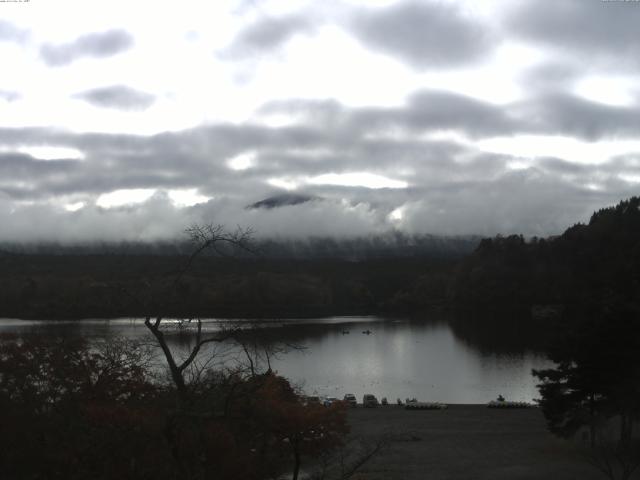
x=283, y=278
x=600, y=259
x=395, y=275
x=77, y=286
x=393, y=244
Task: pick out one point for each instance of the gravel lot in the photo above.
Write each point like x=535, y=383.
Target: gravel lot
x=466, y=442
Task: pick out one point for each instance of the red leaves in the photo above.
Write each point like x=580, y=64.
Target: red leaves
x=73, y=411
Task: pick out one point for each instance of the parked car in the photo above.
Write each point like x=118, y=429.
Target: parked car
x=350, y=399
x=329, y=401
x=369, y=400
x=313, y=399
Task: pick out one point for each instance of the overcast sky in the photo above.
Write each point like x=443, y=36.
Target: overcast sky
x=133, y=120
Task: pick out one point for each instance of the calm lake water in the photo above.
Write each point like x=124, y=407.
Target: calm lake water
x=399, y=358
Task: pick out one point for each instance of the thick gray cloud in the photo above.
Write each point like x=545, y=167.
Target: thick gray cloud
x=96, y=45
x=424, y=111
x=437, y=110
x=453, y=187
x=509, y=202
x=570, y=115
x=559, y=166
x=117, y=96
x=547, y=112
x=595, y=31
x=10, y=33
x=515, y=202
x=268, y=34
x=328, y=138
x=551, y=77
x=424, y=34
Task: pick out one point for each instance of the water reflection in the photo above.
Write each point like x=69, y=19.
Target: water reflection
x=432, y=359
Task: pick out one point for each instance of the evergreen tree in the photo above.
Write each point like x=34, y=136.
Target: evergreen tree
x=597, y=376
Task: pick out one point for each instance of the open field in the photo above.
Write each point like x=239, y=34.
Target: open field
x=469, y=442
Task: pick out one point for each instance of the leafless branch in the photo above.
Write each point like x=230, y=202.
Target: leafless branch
x=200, y=342
x=211, y=236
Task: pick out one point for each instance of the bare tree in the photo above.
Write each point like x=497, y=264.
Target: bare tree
x=205, y=237
x=248, y=392
x=259, y=347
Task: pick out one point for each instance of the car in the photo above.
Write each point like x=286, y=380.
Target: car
x=350, y=399
x=369, y=401
x=329, y=401
x=313, y=399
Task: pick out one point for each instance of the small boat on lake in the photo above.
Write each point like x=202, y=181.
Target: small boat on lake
x=508, y=404
x=414, y=405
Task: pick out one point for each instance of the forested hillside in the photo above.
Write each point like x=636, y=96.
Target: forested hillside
x=598, y=260
x=80, y=286
x=398, y=275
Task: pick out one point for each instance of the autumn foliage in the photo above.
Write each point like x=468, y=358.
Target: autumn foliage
x=70, y=410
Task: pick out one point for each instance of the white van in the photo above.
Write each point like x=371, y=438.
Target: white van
x=369, y=401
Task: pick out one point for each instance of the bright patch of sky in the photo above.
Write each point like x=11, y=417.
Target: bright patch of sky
x=74, y=207
x=175, y=57
x=52, y=153
x=567, y=148
x=283, y=183
x=187, y=198
x=357, y=179
x=397, y=214
x=616, y=91
x=124, y=197
x=242, y=161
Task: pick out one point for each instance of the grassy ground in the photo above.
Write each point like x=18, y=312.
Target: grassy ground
x=469, y=442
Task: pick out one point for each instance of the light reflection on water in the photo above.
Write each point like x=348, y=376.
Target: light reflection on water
x=398, y=359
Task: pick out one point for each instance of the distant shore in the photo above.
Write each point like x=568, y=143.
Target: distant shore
x=466, y=442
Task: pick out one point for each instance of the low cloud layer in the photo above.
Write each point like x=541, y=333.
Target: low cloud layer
x=590, y=31
x=453, y=188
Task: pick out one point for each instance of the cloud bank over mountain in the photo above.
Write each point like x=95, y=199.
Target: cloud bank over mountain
x=424, y=117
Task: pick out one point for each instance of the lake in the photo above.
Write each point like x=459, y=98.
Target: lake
x=399, y=358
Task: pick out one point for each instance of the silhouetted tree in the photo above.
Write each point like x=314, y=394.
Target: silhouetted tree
x=261, y=411
x=596, y=381
x=204, y=238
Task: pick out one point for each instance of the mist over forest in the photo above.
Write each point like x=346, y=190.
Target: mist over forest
x=393, y=274
x=392, y=244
